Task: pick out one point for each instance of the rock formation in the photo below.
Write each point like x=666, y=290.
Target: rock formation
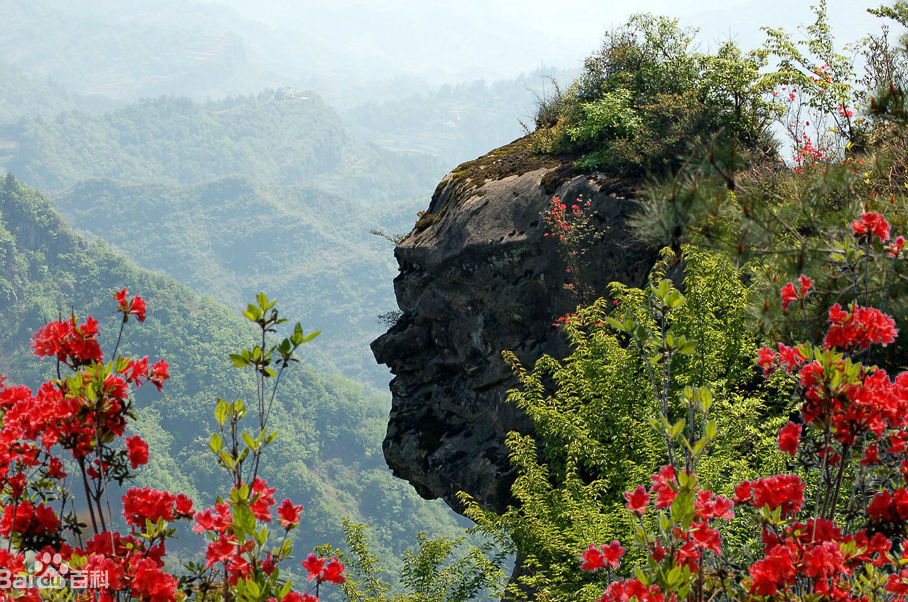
x=478, y=276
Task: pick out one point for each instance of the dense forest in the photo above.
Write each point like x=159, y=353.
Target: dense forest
x=232, y=237
x=275, y=138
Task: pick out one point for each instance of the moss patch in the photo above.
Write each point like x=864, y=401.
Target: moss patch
x=514, y=159
x=429, y=219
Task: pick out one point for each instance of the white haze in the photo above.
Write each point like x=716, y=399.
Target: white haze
x=447, y=42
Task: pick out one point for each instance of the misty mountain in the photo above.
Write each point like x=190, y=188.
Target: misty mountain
x=276, y=137
x=231, y=238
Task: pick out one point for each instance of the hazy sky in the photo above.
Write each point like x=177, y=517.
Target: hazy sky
x=501, y=38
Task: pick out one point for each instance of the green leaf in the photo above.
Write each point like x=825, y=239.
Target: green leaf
x=227, y=459
x=238, y=360
x=216, y=444
x=243, y=520
x=706, y=398
x=220, y=411
x=687, y=348
x=249, y=441
x=261, y=536
x=682, y=509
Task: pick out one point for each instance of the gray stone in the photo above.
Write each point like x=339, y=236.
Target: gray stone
x=478, y=276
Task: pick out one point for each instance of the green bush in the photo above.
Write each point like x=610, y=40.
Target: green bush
x=593, y=437
x=646, y=100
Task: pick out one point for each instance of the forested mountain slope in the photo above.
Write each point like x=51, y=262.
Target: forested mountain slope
x=328, y=456
x=276, y=137
x=232, y=237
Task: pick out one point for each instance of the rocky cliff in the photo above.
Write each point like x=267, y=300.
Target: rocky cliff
x=478, y=276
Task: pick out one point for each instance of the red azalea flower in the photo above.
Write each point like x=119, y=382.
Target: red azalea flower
x=135, y=306
x=68, y=341
x=261, y=507
x=158, y=373
x=790, y=358
x=183, y=507
x=785, y=491
x=637, y=500
x=789, y=438
x=612, y=553
x=289, y=514
x=665, y=495
x=859, y=328
x=766, y=359
x=137, y=451
x=788, y=295
x=314, y=565
x=871, y=455
x=334, y=572
x=871, y=224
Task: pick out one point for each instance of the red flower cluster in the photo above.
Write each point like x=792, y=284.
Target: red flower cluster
x=789, y=438
x=851, y=416
x=560, y=221
x=631, y=589
x=871, y=224
x=788, y=358
x=71, y=343
x=318, y=570
x=779, y=491
x=134, y=306
x=240, y=559
x=597, y=558
x=817, y=553
x=788, y=291
x=136, y=451
x=144, y=504
x=35, y=523
x=84, y=414
x=857, y=329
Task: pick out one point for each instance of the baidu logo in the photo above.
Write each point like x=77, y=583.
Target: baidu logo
x=50, y=572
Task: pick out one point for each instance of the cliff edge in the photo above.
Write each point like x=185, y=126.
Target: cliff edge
x=478, y=276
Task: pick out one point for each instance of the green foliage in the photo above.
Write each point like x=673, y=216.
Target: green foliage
x=438, y=570
x=592, y=415
x=646, y=100
x=602, y=121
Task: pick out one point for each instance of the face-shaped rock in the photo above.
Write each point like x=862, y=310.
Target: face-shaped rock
x=478, y=276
